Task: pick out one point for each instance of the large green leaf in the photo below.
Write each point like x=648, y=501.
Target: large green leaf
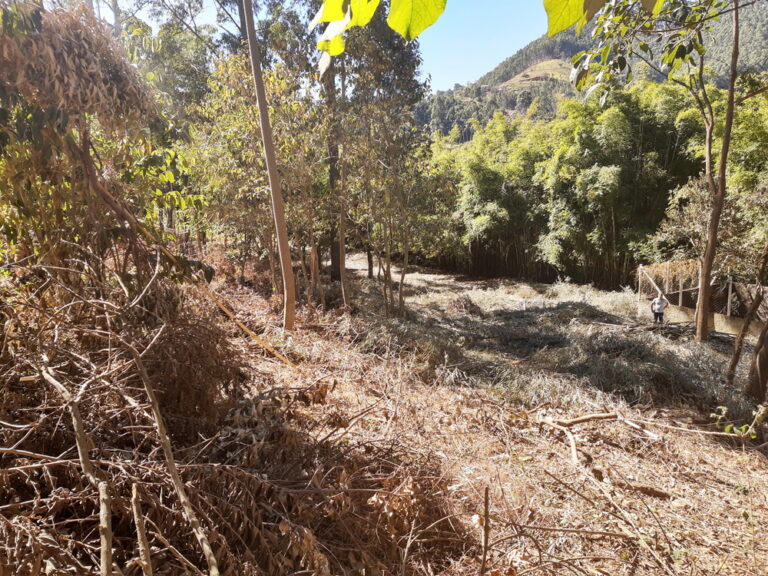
x=362, y=11
x=411, y=17
x=653, y=6
x=562, y=14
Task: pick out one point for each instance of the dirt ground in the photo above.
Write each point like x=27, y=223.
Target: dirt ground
x=562, y=433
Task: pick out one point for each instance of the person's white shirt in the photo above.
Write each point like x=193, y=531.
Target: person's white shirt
x=659, y=303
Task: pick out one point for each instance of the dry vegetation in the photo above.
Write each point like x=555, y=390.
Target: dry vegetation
x=373, y=453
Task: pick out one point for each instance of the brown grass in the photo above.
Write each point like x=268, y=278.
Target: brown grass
x=372, y=455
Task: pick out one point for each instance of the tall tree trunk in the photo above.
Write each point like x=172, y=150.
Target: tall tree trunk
x=758, y=372
x=117, y=25
x=718, y=189
x=278, y=209
x=243, y=25
x=329, y=85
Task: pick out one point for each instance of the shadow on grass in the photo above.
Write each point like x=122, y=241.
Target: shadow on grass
x=564, y=354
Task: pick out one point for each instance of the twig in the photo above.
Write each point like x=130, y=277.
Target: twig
x=690, y=430
x=486, y=529
x=172, y=549
x=26, y=454
x=141, y=531
x=105, y=528
x=628, y=519
x=643, y=489
x=587, y=418
x=571, y=439
x=81, y=437
x=566, y=531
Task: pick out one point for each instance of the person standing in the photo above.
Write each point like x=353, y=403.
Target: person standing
x=658, y=305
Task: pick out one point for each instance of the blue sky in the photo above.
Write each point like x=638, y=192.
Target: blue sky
x=473, y=36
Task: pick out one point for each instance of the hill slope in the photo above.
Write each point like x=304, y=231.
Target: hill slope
x=511, y=87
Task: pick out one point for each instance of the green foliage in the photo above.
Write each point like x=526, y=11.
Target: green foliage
x=574, y=195
x=409, y=18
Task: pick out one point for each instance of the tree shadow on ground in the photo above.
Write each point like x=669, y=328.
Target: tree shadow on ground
x=567, y=351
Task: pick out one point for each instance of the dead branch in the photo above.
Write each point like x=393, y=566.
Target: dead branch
x=587, y=418
x=141, y=531
x=569, y=435
x=565, y=531
x=82, y=439
x=105, y=528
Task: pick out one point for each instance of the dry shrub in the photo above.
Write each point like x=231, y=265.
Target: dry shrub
x=67, y=61
x=196, y=371
x=465, y=305
x=393, y=337
x=271, y=498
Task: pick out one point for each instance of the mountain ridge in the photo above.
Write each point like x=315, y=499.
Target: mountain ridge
x=492, y=91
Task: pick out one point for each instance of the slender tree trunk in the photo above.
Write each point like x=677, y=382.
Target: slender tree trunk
x=384, y=284
x=345, y=294
x=314, y=270
x=329, y=81
x=369, y=255
x=304, y=274
x=273, y=271
x=739, y=343
x=278, y=209
x=762, y=267
x=758, y=373
x=403, y=271
x=718, y=190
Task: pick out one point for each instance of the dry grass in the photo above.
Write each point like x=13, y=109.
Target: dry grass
x=372, y=455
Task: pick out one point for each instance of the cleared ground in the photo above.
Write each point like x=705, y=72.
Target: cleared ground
x=590, y=430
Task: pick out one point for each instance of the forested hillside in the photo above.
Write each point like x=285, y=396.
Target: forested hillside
x=489, y=93
x=268, y=310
